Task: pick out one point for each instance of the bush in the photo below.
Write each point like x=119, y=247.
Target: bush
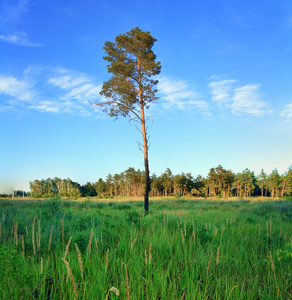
x=13, y=266
x=122, y=206
x=133, y=217
x=81, y=239
x=52, y=207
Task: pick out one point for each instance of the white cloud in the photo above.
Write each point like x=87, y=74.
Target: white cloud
x=46, y=106
x=72, y=92
x=9, y=19
x=287, y=111
x=12, y=14
x=239, y=100
x=68, y=80
x=69, y=92
x=247, y=99
x=18, y=39
x=6, y=108
x=15, y=88
x=221, y=90
x=178, y=94
x=58, y=107
x=77, y=85
x=85, y=92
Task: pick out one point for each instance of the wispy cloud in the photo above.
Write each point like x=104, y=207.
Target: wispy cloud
x=66, y=79
x=17, y=89
x=287, y=111
x=245, y=99
x=63, y=91
x=86, y=92
x=177, y=94
x=10, y=18
x=221, y=90
x=77, y=86
x=59, y=107
x=6, y=108
x=46, y=106
x=19, y=39
x=13, y=14
x=59, y=91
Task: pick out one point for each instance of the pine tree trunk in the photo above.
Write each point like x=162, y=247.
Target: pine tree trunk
x=146, y=196
x=283, y=188
x=146, y=163
x=145, y=146
x=145, y=143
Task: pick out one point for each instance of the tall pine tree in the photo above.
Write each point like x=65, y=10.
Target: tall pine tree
x=131, y=88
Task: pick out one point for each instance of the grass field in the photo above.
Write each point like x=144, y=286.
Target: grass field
x=185, y=249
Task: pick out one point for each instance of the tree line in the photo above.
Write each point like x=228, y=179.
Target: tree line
x=219, y=182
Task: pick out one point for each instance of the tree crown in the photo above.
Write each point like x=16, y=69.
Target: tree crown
x=132, y=64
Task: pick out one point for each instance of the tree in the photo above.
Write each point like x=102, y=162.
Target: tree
x=100, y=187
x=237, y=184
x=289, y=181
x=88, y=190
x=283, y=184
x=131, y=88
x=273, y=183
x=117, y=183
x=219, y=182
x=110, y=184
x=199, y=188
x=37, y=188
x=262, y=178
x=244, y=183
x=248, y=181
x=228, y=180
x=156, y=185
x=167, y=182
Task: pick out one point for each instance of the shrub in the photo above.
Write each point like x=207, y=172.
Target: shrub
x=13, y=266
x=122, y=206
x=52, y=207
x=81, y=239
x=133, y=217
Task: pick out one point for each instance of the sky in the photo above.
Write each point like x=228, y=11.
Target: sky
x=225, y=88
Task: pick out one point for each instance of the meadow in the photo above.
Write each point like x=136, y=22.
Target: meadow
x=184, y=249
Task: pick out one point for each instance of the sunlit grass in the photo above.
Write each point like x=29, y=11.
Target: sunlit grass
x=185, y=249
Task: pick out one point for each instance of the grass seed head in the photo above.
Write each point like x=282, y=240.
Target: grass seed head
x=79, y=260
x=89, y=242
x=273, y=266
x=50, y=239
x=209, y=263
x=69, y=273
x=22, y=239
x=67, y=248
x=114, y=290
x=217, y=258
x=127, y=283
x=39, y=236
x=33, y=238
x=106, y=260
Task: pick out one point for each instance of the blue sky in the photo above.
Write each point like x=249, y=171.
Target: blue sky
x=225, y=88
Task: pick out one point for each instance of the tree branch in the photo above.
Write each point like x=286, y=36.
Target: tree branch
x=109, y=103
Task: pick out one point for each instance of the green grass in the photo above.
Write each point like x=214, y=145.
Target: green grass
x=185, y=249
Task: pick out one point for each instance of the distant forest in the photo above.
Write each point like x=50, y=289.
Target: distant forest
x=219, y=183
